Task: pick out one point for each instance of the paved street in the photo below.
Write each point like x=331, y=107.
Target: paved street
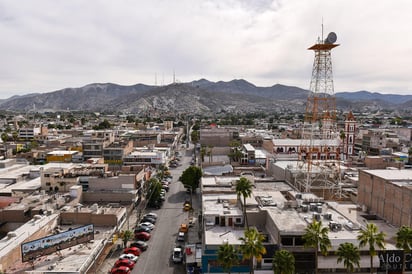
x=157, y=259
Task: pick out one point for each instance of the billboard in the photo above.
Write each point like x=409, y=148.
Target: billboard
x=50, y=244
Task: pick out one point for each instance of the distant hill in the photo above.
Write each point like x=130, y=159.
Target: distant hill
x=198, y=97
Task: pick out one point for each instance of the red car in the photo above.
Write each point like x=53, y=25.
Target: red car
x=120, y=270
x=143, y=236
x=132, y=250
x=124, y=262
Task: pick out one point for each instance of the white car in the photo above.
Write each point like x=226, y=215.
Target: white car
x=130, y=257
x=147, y=224
x=151, y=215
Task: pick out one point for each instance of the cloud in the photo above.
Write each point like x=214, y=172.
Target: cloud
x=52, y=44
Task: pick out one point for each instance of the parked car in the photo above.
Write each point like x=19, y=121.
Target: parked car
x=181, y=236
x=140, y=244
x=149, y=219
x=151, y=215
x=132, y=250
x=143, y=236
x=129, y=256
x=120, y=270
x=177, y=255
x=147, y=224
x=124, y=262
x=165, y=187
x=142, y=229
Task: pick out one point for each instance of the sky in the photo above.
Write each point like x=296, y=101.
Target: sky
x=47, y=45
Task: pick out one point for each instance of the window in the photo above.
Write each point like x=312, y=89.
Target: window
x=238, y=220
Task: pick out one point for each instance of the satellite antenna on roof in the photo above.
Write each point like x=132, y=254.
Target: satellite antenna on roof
x=331, y=38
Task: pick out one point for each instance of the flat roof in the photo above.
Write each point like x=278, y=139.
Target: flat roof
x=305, y=142
x=217, y=235
x=62, y=152
x=391, y=174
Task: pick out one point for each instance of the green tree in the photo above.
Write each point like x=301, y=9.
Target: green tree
x=317, y=237
x=283, y=262
x=153, y=192
x=404, y=241
x=4, y=137
x=202, y=153
x=349, y=254
x=373, y=238
x=194, y=136
x=227, y=256
x=126, y=236
x=190, y=177
x=244, y=189
x=252, y=247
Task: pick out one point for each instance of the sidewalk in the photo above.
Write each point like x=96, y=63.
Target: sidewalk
x=112, y=251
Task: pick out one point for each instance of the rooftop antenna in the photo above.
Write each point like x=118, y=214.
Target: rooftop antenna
x=322, y=29
x=174, y=77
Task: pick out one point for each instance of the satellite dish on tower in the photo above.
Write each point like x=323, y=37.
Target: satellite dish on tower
x=331, y=38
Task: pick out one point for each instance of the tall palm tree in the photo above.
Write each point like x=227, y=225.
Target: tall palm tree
x=404, y=241
x=227, y=256
x=349, y=254
x=252, y=246
x=317, y=237
x=244, y=189
x=373, y=238
x=283, y=262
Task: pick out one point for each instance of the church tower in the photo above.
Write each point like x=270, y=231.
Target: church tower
x=349, y=140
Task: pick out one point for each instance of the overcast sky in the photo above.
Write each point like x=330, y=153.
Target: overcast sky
x=47, y=45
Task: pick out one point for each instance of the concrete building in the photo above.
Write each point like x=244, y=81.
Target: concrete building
x=61, y=156
x=150, y=157
x=95, y=141
x=217, y=137
x=387, y=193
x=113, y=154
x=281, y=214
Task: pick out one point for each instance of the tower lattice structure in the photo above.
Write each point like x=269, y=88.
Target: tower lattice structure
x=320, y=137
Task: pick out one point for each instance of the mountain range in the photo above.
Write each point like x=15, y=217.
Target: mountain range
x=196, y=97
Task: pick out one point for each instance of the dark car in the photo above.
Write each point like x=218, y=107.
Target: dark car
x=142, y=229
x=120, y=270
x=124, y=262
x=143, y=236
x=140, y=244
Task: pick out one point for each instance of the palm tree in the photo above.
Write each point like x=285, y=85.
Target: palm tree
x=227, y=256
x=244, y=188
x=349, y=254
x=404, y=241
x=283, y=262
x=317, y=237
x=252, y=246
x=373, y=238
